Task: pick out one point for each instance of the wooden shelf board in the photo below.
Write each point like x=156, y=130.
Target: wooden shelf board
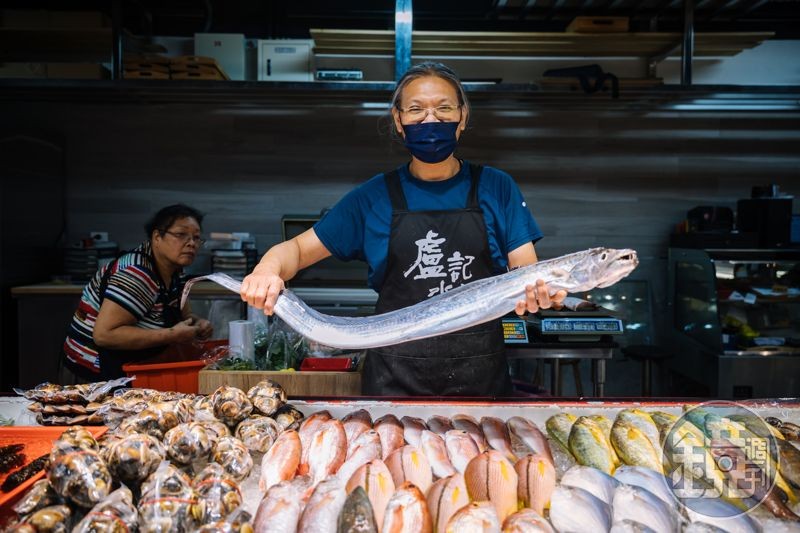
x=533, y=44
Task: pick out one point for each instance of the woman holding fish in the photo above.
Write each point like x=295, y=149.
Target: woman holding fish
x=424, y=228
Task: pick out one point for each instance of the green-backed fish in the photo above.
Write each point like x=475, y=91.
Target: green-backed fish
x=643, y=421
x=757, y=425
x=589, y=445
x=633, y=446
x=605, y=424
x=558, y=427
x=689, y=458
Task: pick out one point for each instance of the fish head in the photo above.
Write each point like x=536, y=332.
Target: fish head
x=596, y=267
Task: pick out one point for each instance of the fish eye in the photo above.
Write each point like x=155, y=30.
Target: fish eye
x=603, y=256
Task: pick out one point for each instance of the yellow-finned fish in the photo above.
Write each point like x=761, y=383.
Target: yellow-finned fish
x=689, y=458
x=445, y=498
x=606, y=424
x=490, y=477
x=476, y=517
x=410, y=464
x=643, y=421
x=378, y=484
x=558, y=427
x=589, y=445
x=407, y=511
x=536, y=480
x=634, y=447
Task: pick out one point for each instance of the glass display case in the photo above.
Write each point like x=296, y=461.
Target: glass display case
x=736, y=321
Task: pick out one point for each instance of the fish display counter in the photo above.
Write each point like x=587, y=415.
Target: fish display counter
x=735, y=321
x=253, y=460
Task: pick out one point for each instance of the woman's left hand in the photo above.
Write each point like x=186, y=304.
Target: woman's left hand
x=204, y=329
x=539, y=297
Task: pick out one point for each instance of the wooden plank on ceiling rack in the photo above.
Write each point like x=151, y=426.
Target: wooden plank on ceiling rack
x=372, y=42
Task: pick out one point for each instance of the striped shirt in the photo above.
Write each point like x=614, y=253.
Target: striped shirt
x=135, y=285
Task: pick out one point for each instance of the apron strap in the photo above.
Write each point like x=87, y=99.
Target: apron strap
x=396, y=195
x=475, y=176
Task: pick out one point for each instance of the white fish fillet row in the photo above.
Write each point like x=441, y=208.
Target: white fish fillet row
x=459, y=308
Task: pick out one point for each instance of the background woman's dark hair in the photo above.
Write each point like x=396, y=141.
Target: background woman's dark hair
x=421, y=70
x=167, y=216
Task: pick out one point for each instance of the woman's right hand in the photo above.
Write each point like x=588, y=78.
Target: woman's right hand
x=184, y=331
x=261, y=290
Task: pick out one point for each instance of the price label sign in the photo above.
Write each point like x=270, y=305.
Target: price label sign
x=515, y=331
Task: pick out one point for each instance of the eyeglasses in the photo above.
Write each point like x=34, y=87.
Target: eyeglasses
x=187, y=237
x=445, y=113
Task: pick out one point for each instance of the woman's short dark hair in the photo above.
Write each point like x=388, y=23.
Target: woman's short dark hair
x=422, y=70
x=166, y=217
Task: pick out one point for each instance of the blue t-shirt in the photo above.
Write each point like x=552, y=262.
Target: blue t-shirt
x=358, y=226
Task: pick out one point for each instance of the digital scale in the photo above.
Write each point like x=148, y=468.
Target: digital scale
x=588, y=323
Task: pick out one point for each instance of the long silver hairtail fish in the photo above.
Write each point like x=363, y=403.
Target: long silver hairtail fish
x=459, y=308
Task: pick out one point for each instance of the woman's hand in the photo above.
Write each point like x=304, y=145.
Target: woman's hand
x=184, y=331
x=204, y=328
x=261, y=290
x=539, y=297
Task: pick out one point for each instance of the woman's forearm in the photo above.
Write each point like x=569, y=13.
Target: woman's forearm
x=134, y=338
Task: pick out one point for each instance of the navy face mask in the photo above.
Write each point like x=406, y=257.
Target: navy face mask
x=431, y=142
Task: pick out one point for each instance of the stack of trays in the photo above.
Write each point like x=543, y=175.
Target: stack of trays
x=196, y=68
x=236, y=263
x=176, y=68
x=146, y=67
x=82, y=263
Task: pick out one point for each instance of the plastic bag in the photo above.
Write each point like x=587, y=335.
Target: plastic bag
x=236, y=522
x=168, y=501
x=217, y=494
x=282, y=348
x=234, y=457
x=133, y=458
x=39, y=496
x=83, y=393
x=188, y=444
x=79, y=475
x=215, y=355
x=116, y=512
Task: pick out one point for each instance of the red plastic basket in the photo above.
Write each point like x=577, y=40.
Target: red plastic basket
x=177, y=369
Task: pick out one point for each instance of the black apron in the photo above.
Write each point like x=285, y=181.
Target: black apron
x=111, y=361
x=429, y=252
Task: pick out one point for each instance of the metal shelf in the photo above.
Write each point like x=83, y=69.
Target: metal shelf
x=373, y=95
